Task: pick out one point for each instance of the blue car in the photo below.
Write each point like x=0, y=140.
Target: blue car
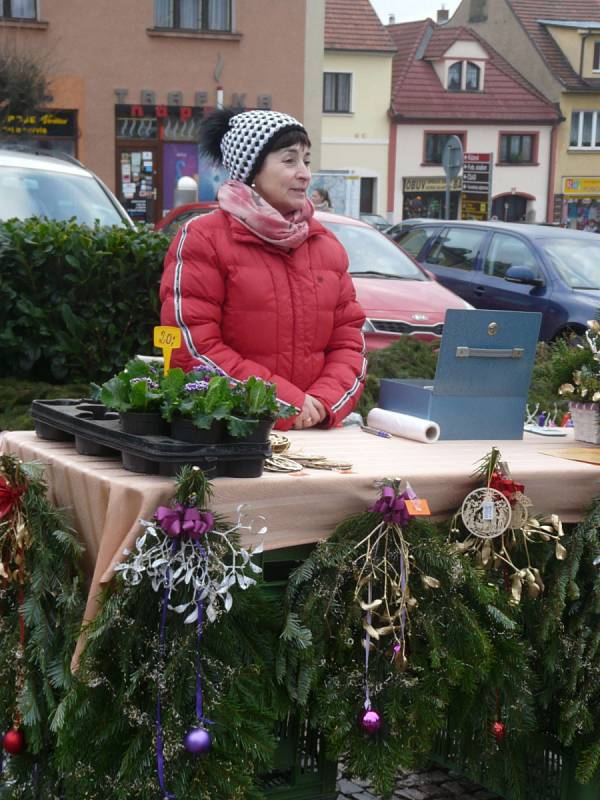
x=514, y=267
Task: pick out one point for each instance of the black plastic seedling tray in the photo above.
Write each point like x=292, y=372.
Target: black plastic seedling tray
x=97, y=432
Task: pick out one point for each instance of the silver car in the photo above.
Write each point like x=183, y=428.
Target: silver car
x=57, y=187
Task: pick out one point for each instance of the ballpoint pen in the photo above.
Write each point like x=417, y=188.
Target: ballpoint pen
x=376, y=432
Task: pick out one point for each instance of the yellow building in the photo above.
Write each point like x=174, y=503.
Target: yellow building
x=357, y=76
x=557, y=47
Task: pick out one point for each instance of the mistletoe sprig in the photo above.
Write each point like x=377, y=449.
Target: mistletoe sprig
x=501, y=530
x=184, y=551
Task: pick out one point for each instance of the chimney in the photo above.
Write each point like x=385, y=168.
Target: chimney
x=442, y=15
x=392, y=19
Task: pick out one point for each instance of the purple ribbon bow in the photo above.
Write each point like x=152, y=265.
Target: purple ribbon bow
x=181, y=520
x=393, y=506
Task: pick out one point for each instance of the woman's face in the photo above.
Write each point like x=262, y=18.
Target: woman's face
x=284, y=178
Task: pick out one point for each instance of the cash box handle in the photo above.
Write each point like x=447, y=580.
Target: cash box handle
x=484, y=352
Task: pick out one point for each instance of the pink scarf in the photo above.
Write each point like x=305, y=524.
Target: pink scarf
x=249, y=208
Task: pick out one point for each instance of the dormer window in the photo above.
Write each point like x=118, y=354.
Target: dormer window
x=464, y=76
x=455, y=77
x=596, y=66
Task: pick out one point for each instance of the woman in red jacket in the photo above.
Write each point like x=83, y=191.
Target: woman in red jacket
x=260, y=287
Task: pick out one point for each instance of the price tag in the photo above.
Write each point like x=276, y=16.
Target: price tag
x=167, y=338
x=417, y=507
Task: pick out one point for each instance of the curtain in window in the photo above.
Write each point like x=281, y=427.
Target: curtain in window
x=472, y=76
x=455, y=77
x=163, y=13
x=188, y=14
x=586, y=136
x=218, y=15
x=574, y=140
x=24, y=9
x=343, y=93
x=329, y=91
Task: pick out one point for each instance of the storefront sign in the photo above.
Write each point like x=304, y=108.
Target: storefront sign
x=433, y=183
x=237, y=100
x=587, y=187
x=178, y=123
x=477, y=170
x=45, y=123
x=473, y=207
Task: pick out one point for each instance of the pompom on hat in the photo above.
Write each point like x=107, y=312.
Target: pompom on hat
x=241, y=140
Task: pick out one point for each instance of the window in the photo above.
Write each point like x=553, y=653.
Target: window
x=507, y=251
x=517, y=148
x=464, y=76
x=596, y=64
x=18, y=9
x=585, y=129
x=198, y=15
x=414, y=241
x=478, y=11
x=457, y=248
x=473, y=73
x=455, y=77
x=435, y=143
x=336, y=91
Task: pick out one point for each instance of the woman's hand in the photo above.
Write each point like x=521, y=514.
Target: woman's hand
x=313, y=413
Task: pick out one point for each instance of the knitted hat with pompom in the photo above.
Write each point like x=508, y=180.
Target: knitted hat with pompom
x=240, y=141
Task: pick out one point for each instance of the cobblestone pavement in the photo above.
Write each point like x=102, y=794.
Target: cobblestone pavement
x=435, y=784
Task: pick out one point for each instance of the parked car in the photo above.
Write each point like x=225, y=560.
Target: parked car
x=376, y=220
x=56, y=186
x=398, y=296
x=509, y=266
x=174, y=219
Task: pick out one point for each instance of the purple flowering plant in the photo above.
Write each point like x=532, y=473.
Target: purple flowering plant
x=201, y=395
x=136, y=388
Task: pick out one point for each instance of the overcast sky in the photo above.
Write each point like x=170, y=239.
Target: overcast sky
x=405, y=10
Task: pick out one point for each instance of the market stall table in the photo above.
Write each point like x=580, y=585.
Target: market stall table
x=107, y=501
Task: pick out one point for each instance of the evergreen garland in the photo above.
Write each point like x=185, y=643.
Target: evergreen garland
x=52, y=608
x=564, y=629
x=464, y=645
x=112, y=703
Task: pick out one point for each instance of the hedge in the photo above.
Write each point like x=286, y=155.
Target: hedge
x=77, y=302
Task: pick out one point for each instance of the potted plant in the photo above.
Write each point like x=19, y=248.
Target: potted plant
x=196, y=403
x=583, y=392
x=135, y=393
x=254, y=410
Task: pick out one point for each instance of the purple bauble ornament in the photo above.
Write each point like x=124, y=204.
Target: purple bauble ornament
x=197, y=741
x=370, y=720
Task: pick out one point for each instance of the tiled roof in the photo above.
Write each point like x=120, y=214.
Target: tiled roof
x=418, y=94
x=528, y=12
x=354, y=25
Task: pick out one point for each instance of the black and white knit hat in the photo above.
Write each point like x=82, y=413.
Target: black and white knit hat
x=248, y=134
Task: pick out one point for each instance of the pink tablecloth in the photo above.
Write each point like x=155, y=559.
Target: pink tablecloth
x=106, y=501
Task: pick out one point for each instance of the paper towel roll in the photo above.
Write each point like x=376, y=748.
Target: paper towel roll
x=422, y=430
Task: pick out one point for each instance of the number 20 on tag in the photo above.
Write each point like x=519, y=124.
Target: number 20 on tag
x=167, y=338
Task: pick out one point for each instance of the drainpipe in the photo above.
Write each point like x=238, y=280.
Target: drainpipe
x=584, y=36
x=391, y=193
x=552, y=173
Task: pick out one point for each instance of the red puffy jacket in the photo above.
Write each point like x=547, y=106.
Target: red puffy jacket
x=251, y=308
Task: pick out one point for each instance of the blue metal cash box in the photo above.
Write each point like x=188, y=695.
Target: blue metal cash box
x=481, y=380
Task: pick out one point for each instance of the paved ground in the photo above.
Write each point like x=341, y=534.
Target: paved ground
x=436, y=784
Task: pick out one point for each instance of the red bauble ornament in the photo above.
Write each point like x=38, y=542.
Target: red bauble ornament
x=14, y=741
x=498, y=730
